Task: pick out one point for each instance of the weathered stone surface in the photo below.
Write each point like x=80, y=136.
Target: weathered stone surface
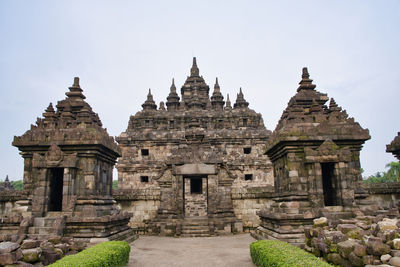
x=49, y=256
x=30, y=243
x=64, y=247
x=6, y=247
x=10, y=257
x=335, y=258
x=54, y=240
x=335, y=236
x=355, y=260
x=385, y=258
x=346, y=247
x=360, y=250
x=377, y=248
x=320, y=222
x=31, y=255
x=395, y=261
x=345, y=228
x=387, y=224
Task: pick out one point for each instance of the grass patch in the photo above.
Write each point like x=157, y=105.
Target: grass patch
x=265, y=253
x=106, y=254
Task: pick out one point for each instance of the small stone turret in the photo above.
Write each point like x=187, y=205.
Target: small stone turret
x=149, y=104
x=240, y=101
x=217, y=100
x=173, y=98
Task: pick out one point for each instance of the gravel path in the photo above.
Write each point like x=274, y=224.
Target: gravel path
x=157, y=251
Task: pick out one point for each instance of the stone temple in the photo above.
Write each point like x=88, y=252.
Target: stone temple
x=187, y=160
x=192, y=166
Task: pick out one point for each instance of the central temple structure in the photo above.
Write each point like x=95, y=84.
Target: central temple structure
x=184, y=163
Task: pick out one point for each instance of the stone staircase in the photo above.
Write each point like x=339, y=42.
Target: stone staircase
x=195, y=227
x=43, y=226
x=336, y=213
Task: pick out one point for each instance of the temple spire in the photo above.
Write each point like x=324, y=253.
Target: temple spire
x=216, y=86
x=75, y=91
x=194, y=71
x=228, y=103
x=306, y=82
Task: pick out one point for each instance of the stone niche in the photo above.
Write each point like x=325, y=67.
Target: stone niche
x=68, y=163
x=315, y=154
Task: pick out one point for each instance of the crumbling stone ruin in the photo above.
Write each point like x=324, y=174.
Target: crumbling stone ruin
x=186, y=164
x=68, y=162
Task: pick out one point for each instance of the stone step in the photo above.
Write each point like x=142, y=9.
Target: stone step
x=38, y=236
x=199, y=231
x=196, y=228
x=40, y=230
x=195, y=235
x=44, y=222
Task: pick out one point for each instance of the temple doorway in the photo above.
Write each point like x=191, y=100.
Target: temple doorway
x=195, y=196
x=56, y=176
x=328, y=183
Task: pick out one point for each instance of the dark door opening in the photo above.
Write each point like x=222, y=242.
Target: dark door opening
x=328, y=179
x=56, y=189
x=196, y=186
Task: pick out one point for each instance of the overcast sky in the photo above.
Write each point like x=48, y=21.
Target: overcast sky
x=119, y=49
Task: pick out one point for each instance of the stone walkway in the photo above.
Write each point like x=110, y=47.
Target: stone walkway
x=194, y=252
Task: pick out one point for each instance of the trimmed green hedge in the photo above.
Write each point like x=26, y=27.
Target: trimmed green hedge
x=265, y=253
x=106, y=254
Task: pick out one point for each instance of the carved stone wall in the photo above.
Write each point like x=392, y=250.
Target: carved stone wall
x=196, y=135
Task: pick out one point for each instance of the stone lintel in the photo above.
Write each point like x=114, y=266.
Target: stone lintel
x=195, y=169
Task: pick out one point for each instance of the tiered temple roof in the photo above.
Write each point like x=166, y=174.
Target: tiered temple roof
x=308, y=118
x=74, y=122
x=195, y=107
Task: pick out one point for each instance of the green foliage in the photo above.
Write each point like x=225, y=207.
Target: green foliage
x=115, y=184
x=265, y=253
x=18, y=185
x=394, y=171
x=392, y=175
x=106, y=254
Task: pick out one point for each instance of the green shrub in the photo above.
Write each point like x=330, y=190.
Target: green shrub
x=106, y=254
x=276, y=253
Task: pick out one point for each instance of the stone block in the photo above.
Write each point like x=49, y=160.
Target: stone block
x=31, y=255
x=320, y=222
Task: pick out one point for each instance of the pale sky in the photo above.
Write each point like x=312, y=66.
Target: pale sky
x=119, y=49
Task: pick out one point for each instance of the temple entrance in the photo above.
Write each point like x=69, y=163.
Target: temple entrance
x=56, y=176
x=328, y=183
x=195, y=195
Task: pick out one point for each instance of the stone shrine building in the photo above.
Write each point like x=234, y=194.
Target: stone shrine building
x=184, y=163
x=315, y=152
x=68, y=163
